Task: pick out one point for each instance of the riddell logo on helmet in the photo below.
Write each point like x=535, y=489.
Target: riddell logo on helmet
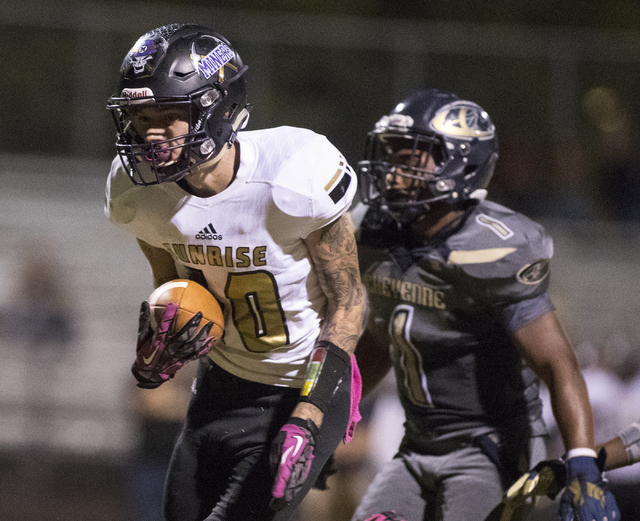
x=137, y=93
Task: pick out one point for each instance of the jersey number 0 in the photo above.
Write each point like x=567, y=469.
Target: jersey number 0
x=255, y=308
x=257, y=311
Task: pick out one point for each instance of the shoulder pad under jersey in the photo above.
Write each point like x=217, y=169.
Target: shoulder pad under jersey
x=313, y=179
x=128, y=206
x=500, y=255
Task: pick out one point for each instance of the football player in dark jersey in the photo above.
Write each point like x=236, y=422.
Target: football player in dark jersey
x=459, y=307
x=546, y=478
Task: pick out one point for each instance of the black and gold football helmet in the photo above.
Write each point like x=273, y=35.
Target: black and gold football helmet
x=444, y=147
x=190, y=67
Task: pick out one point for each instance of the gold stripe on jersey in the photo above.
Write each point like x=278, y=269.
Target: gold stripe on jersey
x=335, y=176
x=478, y=256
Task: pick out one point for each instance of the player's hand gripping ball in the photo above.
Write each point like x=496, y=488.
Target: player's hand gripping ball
x=179, y=322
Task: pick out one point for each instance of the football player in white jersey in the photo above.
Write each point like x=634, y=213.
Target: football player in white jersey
x=258, y=218
x=459, y=307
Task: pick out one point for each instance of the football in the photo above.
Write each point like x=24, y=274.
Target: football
x=190, y=297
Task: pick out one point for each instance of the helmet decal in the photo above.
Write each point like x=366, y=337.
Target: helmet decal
x=432, y=148
x=463, y=120
x=214, y=61
x=145, y=55
x=401, y=122
x=137, y=93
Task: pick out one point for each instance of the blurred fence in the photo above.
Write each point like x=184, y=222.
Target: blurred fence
x=53, y=209
x=72, y=397
x=335, y=74
x=67, y=429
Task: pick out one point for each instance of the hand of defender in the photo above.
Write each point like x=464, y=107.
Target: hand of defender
x=585, y=497
x=291, y=457
x=161, y=353
x=547, y=478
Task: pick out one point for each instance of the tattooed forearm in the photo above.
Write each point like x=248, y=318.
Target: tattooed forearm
x=335, y=258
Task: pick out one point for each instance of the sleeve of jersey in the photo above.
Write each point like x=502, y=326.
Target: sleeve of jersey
x=117, y=205
x=516, y=316
x=507, y=271
x=316, y=186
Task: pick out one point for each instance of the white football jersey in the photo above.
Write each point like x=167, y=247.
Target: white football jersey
x=246, y=244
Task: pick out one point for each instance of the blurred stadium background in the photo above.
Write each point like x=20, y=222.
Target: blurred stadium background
x=560, y=82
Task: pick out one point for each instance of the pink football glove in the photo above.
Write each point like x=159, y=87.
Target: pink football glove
x=385, y=516
x=162, y=352
x=291, y=457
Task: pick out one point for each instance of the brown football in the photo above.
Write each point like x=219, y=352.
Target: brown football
x=190, y=297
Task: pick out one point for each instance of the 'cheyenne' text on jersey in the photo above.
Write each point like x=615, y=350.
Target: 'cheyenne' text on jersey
x=404, y=290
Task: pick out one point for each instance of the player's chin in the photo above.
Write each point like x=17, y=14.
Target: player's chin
x=207, y=166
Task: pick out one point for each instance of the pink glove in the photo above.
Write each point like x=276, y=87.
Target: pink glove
x=385, y=516
x=291, y=457
x=161, y=353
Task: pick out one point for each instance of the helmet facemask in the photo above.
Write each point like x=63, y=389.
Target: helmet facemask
x=193, y=72
x=401, y=173
x=158, y=160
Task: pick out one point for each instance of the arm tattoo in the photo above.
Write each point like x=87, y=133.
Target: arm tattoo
x=334, y=253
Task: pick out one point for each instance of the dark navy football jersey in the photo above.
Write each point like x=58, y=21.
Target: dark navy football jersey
x=450, y=306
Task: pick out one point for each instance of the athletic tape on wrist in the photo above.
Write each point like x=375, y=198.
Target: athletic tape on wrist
x=305, y=424
x=326, y=368
x=581, y=451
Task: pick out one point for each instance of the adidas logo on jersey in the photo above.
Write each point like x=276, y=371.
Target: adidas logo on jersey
x=208, y=233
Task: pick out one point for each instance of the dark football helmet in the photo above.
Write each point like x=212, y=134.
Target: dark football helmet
x=442, y=148
x=189, y=68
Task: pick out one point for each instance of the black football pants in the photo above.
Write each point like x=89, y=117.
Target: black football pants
x=220, y=465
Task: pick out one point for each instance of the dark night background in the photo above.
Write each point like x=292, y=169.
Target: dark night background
x=561, y=81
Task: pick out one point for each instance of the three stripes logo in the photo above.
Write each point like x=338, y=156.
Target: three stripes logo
x=208, y=233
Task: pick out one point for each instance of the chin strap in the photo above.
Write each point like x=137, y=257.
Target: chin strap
x=480, y=194
x=243, y=118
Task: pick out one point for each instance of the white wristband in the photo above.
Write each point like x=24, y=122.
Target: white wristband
x=581, y=451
